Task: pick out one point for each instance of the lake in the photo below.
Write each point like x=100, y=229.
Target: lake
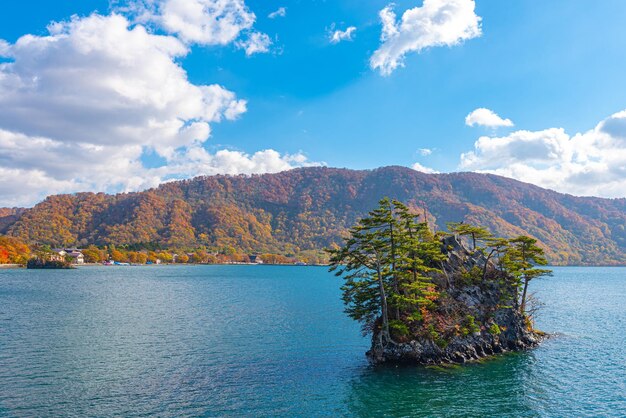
x=274, y=341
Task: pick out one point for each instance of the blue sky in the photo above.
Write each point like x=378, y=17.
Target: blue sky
x=555, y=69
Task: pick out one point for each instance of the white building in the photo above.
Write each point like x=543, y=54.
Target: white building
x=77, y=257
x=74, y=254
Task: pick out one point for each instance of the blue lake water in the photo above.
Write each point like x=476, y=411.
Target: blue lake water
x=273, y=341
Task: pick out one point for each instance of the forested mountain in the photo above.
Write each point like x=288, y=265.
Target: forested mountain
x=8, y=216
x=310, y=208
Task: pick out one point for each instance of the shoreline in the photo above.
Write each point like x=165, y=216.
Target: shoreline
x=19, y=266
x=199, y=264
x=11, y=266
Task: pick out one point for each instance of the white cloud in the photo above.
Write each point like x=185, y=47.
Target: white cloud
x=280, y=12
x=40, y=166
x=342, y=35
x=204, y=22
x=27, y=186
x=590, y=163
x=5, y=49
x=425, y=152
x=256, y=43
x=486, y=117
x=388, y=20
x=436, y=23
x=547, y=146
x=33, y=167
x=199, y=160
x=81, y=106
x=423, y=169
x=99, y=81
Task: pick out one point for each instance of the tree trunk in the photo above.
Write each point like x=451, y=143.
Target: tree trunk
x=383, y=303
x=486, y=263
x=412, y=255
x=523, y=305
x=396, y=287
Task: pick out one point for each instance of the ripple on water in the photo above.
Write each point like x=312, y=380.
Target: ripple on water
x=273, y=341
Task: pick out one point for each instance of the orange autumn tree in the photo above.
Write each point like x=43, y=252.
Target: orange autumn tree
x=13, y=251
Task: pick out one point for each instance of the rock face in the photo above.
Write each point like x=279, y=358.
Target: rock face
x=460, y=349
x=481, y=317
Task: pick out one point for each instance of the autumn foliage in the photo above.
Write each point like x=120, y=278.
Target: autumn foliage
x=305, y=210
x=13, y=251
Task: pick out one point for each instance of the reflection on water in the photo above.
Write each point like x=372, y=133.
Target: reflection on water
x=273, y=341
x=493, y=388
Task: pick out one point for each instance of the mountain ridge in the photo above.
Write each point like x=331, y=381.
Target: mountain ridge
x=307, y=209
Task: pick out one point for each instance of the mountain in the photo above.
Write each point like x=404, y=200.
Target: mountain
x=310, y=208
x=9, y=216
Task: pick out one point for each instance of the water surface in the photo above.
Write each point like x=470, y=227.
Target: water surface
x=273, y=341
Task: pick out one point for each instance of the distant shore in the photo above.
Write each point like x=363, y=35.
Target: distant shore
x=199, y=264
x=11, y=266
x=19, y=266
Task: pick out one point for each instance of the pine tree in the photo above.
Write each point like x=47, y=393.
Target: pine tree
x=521, y=259
x=420, y=253
x=385, y=264
x=476, y=233
x=384, y=223
x=498, y=247
x=363, y=263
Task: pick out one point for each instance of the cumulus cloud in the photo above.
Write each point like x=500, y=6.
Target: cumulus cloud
x=5, y=47
x=486, y=117
x=342, y=35
x=589, y=163
x=206, y=22
x=33, y=167
x=81, y=105
x=423, y=169
x=198, y=159
x=436, y=23
x=280, y=12
x=26, y=186
x=203, y=22
x=97, y=80
x=256, y=43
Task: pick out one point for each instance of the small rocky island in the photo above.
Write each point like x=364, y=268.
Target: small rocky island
x=38, y=263
x=437, y=298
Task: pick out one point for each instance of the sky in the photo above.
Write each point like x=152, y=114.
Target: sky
x=117, y=96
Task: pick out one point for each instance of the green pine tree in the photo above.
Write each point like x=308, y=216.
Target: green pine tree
x=420, y=254
x=475, y=233
x=521, y=259
x=365, y=262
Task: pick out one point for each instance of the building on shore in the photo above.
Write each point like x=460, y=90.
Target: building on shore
x=255, y=259
x=74, y=255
